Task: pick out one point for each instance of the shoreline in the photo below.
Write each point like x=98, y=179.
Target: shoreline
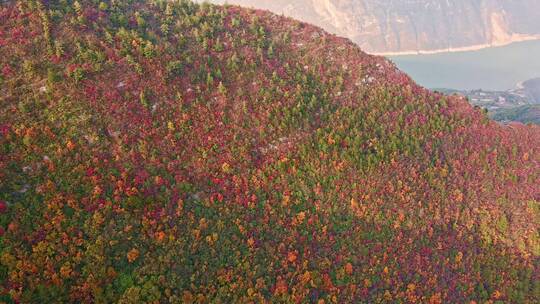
x=459, y=49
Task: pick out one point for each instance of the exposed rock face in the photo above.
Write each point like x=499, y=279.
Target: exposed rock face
x=408, y=26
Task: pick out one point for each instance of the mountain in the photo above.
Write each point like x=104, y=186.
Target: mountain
x=531, y=88
x=411, y=26
x=169, y=152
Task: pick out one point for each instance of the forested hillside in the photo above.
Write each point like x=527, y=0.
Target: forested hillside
x=410, y=26
x=170, y=152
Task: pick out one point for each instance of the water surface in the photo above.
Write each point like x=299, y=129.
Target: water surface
x=497, y=68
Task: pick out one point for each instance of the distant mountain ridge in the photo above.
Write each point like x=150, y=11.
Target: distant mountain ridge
x=415, y=26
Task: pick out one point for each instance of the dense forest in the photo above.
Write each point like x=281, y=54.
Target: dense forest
x=158, y=151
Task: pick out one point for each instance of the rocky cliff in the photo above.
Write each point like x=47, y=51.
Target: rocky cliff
x=409, y=26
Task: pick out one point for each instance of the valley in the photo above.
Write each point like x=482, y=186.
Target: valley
x=520, y=104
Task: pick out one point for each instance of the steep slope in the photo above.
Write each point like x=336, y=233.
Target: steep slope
x=397, y=26
x=153, y=151
x=532, y=89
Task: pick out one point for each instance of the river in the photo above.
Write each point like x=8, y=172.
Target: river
x=496, y=68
